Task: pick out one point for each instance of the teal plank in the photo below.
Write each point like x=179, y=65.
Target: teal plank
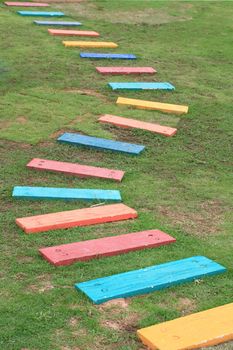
x=41, y=13
x=149, y=279
x=141, y=86
x=117, y=56
x=24, y=192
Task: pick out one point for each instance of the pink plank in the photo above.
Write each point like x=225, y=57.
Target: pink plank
x=75, y=169
x=67, y=254
x=66, y=32
x=26, y=4
x=126, y=70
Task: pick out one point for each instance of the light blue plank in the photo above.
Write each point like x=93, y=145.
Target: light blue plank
x=57, y=23
x=24, y=192
x=108, y=55
x=141, y=86
x=96, y=142
x=41, y=13
x=149, y=279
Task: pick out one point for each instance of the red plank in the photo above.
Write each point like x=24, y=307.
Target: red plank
x=78, y=217
x=25, y=4
x=126, y=70
x=137, y=124
x=75, y=169
x=67, y=254
x=66, y=32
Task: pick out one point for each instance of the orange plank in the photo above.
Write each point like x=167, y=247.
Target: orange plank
x=78, y=217
x=64, y=32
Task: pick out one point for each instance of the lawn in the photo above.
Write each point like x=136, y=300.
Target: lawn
x=181, y=185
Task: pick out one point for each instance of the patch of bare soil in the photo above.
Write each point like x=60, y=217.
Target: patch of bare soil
x=43, y=284
x=22, y=120
x=186, y=306
x=87, y=92
x=116, y=303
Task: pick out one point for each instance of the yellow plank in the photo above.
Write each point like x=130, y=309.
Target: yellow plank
x=89, y=44
x=164, y=107
x=206, y=328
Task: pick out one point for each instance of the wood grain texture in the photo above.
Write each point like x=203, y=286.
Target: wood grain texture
x=63, y=32
x=116, y=56
x=141, y=86
x=100, y=44
x=57, y=23
x=41, y=13
x=125, y=70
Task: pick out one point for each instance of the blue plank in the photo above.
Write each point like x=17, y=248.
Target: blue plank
x=96, y=142
x=108, y=55
x=141, y=86
x=149, y=279
x=24, y=192
x=41, y=13
x=57, y=23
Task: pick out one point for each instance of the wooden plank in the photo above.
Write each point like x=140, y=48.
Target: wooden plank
x=141, y=104
x=62, y=32
x=126, y=70
x=79, y=217
x=67, y=254
x=104, y=144
x=75, y=169
x=26, y=4
x=40, y=13
x=137, y=124
x=202, y=329
x=141, y=86
x=117, y=56
x=149, y=279
x=57, y=23
x=25, y=192
x=90, y=44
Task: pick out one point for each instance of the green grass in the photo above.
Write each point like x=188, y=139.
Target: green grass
x=181, y=185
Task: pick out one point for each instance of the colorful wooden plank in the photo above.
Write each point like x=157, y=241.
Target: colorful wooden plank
x=125, y=70
x=75, y=169
x=57, y=23
x=62, y=32
x=199, y=330
x=141, y=104
x=96, y=142
x=67, y=254
x=26, y=4
x=141, y=86
x=40, y=13
x=79, y=217
x=149, y=279
x=104, y=44
x=117, y=56
x=137, y=124
x=25, y=192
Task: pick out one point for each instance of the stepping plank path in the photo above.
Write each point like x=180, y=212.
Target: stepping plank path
x=78, y=217
x=98, y=143
x=24, y=192
x=141, y=104
x=75, y=169
x=90, y=44
x=57, y=23
x=117, y=56
x=62, y=32
x=67, y=254
x=40, y=13
x=141, y=86
x=26, y=4
x=137, y=124
x=202, y=329
x=149, y=279
x=125, y=70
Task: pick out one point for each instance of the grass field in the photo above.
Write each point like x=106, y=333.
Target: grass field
x=181, y=185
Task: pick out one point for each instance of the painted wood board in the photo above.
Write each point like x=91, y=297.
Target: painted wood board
x=74, y=218
x=63, y=32
x=149, y=279
x=117, y=56
x=40, y=13
x=67, y=254
x=141, y=104
x=27, y=192
x=90, y=44
x=57, y=23
x=125, y=70
x=137, y=124
x=99, y=143
x=199, y=330
x=26, y=4
x=141, y=86
x=75, y=169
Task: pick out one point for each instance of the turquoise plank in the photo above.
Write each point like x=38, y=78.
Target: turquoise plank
x=41, y=13
x=58, y=23
x=96, y=142
x=141, y=86
x=96, y=55
x=149, y=279
x=24, y=192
